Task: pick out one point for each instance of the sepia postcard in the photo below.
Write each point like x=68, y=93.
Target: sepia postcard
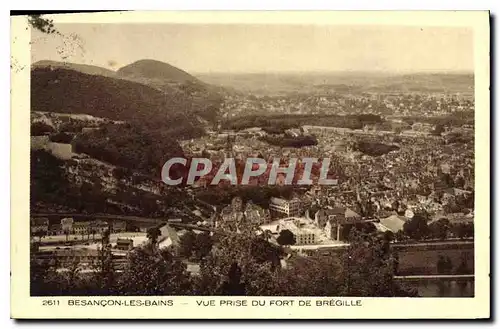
x=250, y=165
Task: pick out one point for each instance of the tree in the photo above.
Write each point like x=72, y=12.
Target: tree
x=187, y=244
x=153, y=234
x=440, y=228
x=463, y=230
x=40, y=129
x=150, y=273
x=105, y=274
x=43, y=277
x=368, y=268
x=48, y=182
x=42, y=24
x=255, y=262
x=416, y=228
x=438, y=130
x=389, y=236
x=400, y=236
x=233, y=286
x=40, y=234
x=310, y=276
x=263, y=251
x=267, y=235
x=61, y=137
x=286, y=238
x=203, y=245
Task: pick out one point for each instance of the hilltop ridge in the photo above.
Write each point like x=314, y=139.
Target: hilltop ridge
x=83, y=68
x=153, y=69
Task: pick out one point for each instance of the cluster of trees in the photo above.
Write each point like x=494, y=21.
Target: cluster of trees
x=461, y=204
x=457, y=119
x=129, y=146
x=73, y=126
x=457, y=138
x=289, y=141
x=272, y=124
x=61, y=137
x=64, y=90
x=438, y=130
x=138, y=144
x=47, y=177
x=419, y=228
x=374, y=148
x=40, y=128
x=445, y=266
x=51, y=186
x=194, y=246
x=235, y=265
x=280, y=123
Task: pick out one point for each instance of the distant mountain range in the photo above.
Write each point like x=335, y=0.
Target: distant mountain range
x=156, y=74
x=274, y=83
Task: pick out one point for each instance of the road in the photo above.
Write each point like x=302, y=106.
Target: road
x=434, y=278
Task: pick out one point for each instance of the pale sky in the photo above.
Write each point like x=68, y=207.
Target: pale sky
x=261, y=48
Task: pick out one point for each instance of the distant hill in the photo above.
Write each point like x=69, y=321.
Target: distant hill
x=168, y=78
x=152, y=69
x=164, y=77
x=275, y=83
x=70, y=91
x=83, y=68
x=174, y=81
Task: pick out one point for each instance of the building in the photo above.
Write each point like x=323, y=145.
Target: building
x=119, y=226
x=67, y=225
x=303, y=237
x=39, y=225
x=81, y=228
x=82, y=257
x=99, y=226
x=333, y=220
x=168, y=238
x=393, y=223
x=303, y=230
x=351, y=216
x=323, y=216
x=340, y=146
x=255, y=215
x=55, y=229
x=61, y=150
x=285, y=208
x=124, y=244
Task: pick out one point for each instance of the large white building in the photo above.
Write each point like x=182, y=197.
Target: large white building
x=304, y=230
x=285, y=208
